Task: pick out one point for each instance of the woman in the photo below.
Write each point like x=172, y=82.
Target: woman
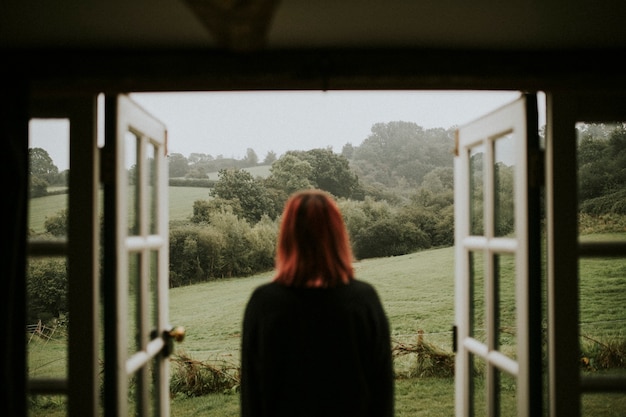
x=316, y=340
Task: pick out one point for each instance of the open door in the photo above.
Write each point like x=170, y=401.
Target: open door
x=134, y=314
x=498, y=306
x=137, y=334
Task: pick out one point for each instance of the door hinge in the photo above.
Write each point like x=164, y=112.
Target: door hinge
x=454, y=338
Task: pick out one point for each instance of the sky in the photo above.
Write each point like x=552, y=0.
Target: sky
x=227, y=124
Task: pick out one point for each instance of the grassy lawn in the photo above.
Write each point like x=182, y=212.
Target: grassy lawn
x=180, y=203
x=417, y=291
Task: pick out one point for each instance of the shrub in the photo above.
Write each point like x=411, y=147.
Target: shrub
x=603, y=355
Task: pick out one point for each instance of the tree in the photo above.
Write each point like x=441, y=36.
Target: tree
x=42, y=171
x=251, y=158
x=399, y=154
x=47, y=289
x=57, y=224
x=38, y=187
x=290, y=174
x=41, y=164
x=347, y=151
x=196, y=157
x=178, y=165
x=330, y=172
x=270, y=157
x=239, y=185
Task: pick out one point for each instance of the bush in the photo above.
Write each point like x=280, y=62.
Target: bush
x=225, y=246
x=46, y=289
x=603, y=355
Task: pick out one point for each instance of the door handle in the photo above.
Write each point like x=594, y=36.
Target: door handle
x=175, y=334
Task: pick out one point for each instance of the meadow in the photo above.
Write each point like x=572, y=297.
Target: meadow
x=417, y=291
x=180, y=203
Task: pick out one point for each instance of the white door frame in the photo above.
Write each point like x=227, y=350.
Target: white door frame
x=519, y=121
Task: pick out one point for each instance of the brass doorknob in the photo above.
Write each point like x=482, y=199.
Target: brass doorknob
x=177, y=333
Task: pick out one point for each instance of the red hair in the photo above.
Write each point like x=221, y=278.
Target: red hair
x=313, y=245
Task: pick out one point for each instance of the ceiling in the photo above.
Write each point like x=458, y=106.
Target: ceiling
x=288, y=24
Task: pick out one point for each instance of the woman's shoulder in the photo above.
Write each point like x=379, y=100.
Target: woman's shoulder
x=359, y=285
x=266, y=289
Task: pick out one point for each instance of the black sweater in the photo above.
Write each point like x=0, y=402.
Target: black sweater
x=316, y=352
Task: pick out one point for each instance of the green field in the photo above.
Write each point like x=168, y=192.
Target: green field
x=417, y=291
x=180, y=203
x=262, y=171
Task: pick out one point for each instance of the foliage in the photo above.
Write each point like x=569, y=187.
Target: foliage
x=400, y=154
x=602, y=168
x=57, y=224
x=251, y=159
x=41, y=165
x=605, y=223
x=222, y=246
x=46, y=289
x=602, y=355
x=270, y=157
x=178, y=165
x=612, y=202
x=42, y=172
x=377, y=229
x=328, y=171
x=239, y=186
x=200, y=164
x=203, y=209
x=38, y=187
x=290, y=174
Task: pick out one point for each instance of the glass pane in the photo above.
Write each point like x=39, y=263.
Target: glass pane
x=601, y=153
x=134, y=271
x=132, y=165
x=48, y=143
x=477, y=297
x=504, y=186
x=153, y=299
x=601, y=158
x=152, y=188
x=603, y=315
x=507, y=389
x=506, y=324
x=47, y=405
x=477, y=155
x=603, y=405
x=478, y=387
x=47, y=317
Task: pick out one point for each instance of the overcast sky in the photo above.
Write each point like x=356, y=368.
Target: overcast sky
x=228, y=123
